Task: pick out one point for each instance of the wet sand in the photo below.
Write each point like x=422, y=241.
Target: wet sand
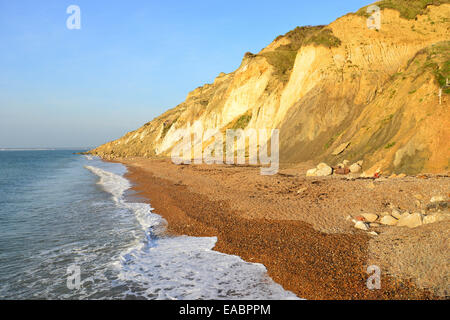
x=302, y=237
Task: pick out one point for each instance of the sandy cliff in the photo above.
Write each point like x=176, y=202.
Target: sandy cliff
x=328, y=85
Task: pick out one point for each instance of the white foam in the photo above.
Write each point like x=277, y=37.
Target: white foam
x=162, y=267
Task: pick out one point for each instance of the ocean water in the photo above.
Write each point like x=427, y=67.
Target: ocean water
x=61, y=212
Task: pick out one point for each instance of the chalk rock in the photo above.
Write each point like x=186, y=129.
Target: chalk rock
x=355, y=168
x=323, y=170
x=370, y=217
x=411, y=221
x=373, y=233
x=361, y=225
x=388, y=220
x=436, y=217
x=396, y=214
x=311, y=172
x=437, y=199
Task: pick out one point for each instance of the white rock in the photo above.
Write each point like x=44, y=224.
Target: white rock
x=436, y=217
x=396, y=214
x=432, y=218
x=323, y=170
x=411, y=221
x=360, y=162
x=370, y=217
x=361, y=225
x=388, y=220
x=355, y=168
x=345, y=162
x=373, y=233
x=311, y=172
x=437, y=199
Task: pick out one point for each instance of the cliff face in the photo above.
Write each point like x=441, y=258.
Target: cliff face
x=328, y=85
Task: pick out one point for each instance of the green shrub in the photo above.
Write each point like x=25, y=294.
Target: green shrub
x=242, y=122
x=283, y=57
x=408, y=9
x=389, y=145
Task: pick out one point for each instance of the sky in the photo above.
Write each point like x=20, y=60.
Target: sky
x=129, y=62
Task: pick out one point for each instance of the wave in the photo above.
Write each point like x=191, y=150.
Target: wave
x=182, y=267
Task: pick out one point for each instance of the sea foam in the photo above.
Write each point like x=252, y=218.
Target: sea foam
x=182, y=267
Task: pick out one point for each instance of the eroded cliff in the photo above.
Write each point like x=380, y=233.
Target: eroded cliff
x=375, y=90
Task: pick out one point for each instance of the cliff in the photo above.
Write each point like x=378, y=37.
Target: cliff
x=325, y=86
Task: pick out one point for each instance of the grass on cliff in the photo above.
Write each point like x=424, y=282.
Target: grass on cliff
x=437, y=60
x=242, y=122
x=283, y=57
x=409, y=9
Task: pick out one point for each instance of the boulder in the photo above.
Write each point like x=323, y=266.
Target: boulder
x=411, y=221
x=436, y=217
x=311, y=172
x=396, y=214
x=323, y=170
x=355, y=168
x=388, y=220
x=370, y=217
x=361, y=226
x=341, y=170
x=437, y=199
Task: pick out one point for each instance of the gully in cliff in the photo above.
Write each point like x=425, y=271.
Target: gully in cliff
x=200, y=146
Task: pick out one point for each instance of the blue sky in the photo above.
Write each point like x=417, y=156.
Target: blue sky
x=129, y=62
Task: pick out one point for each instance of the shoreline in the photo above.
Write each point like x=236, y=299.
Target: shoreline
x=299, y=256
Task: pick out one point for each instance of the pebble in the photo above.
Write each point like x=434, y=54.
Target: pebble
x=301, y=190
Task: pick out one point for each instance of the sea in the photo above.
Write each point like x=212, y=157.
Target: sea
x=70, y=228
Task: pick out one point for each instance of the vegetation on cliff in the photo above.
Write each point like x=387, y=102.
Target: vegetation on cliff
x=409, y=9
x=283, y=57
